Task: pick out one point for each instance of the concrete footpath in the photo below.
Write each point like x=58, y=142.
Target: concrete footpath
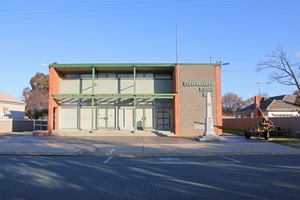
x=143, y=145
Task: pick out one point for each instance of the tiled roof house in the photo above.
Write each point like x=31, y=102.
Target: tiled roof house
x=277, y=106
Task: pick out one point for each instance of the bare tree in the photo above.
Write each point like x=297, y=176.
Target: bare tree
x=283, y=71
x=36, y=98
x=36, y=104
x=231, y=103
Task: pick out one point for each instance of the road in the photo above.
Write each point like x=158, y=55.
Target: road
x=219, y=177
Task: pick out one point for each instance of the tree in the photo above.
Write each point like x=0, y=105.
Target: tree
x=40, y=82
x=36, y=98
x=36, y=104
x=283, y=71
x=231, y=103
x=297, y=100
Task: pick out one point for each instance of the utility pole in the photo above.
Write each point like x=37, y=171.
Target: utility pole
x=258, y=88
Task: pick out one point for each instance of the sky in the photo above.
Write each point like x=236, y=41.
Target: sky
x=242, y=32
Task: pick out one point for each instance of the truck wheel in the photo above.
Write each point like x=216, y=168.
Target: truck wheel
x=247, y=135
x=259, y=136
x=266, y=135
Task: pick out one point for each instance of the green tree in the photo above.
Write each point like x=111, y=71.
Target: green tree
x=36, y=97
x=40, y=82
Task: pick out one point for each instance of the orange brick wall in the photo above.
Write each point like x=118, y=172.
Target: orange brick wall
x=219, y=120
x=54, y=87
x=176, y=82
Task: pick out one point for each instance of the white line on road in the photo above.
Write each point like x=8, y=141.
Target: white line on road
x=169, y=159
x=112, y=150
x=107, y=160
x=78, y=150
x=234, y=160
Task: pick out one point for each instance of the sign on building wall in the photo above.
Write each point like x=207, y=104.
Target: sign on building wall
x=204, y=86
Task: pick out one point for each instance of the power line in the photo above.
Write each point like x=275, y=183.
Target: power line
x=145, y=8
x=239, y=70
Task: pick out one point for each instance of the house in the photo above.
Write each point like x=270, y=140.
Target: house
x=11, y=107
x=133, y=97
x=277, y=106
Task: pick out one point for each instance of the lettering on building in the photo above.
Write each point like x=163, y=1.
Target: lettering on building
x=204, y=86
x=193, y=83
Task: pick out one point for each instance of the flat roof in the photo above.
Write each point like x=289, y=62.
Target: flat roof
x=114, y=65
x=125, y=64
x=105, y=67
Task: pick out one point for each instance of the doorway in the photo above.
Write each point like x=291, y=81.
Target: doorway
x=125, y=118
x=106, y=118
x=164, y=118
x=144, y=118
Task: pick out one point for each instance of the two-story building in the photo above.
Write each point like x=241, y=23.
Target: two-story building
x=134, y=97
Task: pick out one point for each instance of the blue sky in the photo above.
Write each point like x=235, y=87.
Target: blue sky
x=134, y=31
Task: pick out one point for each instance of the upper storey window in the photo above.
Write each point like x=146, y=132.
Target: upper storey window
x=144, y=76
x=71, y=76
x=128, y=76
x=107, y=75
x=87, y=76
x=78, y=76
x=163, y=76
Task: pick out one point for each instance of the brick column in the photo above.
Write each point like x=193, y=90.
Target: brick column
x=176, y=85
x=219, y=122
x=54, y=87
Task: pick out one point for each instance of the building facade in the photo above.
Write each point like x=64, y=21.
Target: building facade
x=11, y=107
x=133, y=97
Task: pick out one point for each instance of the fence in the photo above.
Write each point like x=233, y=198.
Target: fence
x=288, y=125
x=40, y=125
x=19, y=125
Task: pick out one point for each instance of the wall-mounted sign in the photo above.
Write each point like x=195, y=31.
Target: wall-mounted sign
x=193, y=83
x=204, y=86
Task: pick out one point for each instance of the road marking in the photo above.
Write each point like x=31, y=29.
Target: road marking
x=234, y=160
x=112, y=150
x=77, y=151
x=107, y=160
x=169, y=159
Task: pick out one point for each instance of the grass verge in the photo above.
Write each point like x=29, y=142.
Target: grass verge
x=286, y=141
x=234, y=131
x=291, y=142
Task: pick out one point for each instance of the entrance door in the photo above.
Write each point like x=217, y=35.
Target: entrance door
x=144, y=118
x=125, y=119
x=163, y=119
x=106, y=118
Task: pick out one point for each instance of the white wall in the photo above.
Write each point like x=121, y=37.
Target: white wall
x=283, y=114
x=17, y=111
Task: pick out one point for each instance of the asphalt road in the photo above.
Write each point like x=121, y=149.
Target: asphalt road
x=234, y=177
